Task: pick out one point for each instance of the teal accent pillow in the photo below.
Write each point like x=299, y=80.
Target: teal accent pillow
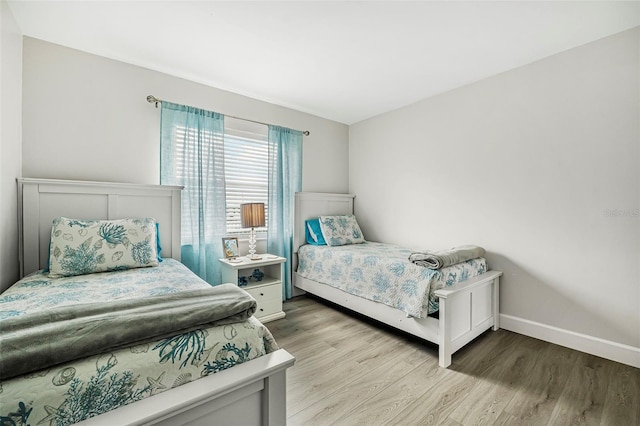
x=341, y=230
x=158, y=242
x=313, y=232
x=81, y=247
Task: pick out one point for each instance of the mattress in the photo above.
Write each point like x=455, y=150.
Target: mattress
x=383, y=273
x=70, y=392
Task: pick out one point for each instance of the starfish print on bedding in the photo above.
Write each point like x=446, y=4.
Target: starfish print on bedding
x=156, y=384
x=51, y=414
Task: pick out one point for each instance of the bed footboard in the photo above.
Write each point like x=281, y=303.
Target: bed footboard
x=253, y=393
x=467, y=309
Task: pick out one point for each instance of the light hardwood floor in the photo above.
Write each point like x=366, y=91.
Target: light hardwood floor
x=353, y=371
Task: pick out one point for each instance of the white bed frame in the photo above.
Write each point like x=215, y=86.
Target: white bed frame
x=467, y=309
x=253, y=393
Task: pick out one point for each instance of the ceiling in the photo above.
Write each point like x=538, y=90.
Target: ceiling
x=342, y=60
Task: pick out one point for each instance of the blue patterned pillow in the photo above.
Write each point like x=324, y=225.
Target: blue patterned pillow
x=341, y=230
x=81, y=247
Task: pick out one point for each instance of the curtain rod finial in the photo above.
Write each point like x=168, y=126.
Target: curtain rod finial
x=306, y=133
x=152, y=99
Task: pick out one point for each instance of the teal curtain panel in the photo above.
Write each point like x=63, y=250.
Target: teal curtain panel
x=285, y=179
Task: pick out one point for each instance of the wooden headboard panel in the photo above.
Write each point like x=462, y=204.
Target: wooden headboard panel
x=42, y=200
x=310, y=205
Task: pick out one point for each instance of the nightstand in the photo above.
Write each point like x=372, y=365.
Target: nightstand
x=267, y=291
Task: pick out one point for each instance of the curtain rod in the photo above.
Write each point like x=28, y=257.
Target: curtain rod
x=152, y=99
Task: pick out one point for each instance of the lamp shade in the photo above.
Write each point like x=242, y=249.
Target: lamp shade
x=252, y=215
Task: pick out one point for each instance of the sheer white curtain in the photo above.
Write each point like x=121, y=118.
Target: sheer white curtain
x=192, y=155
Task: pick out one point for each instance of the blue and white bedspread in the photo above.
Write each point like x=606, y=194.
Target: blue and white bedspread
x=68, y=393
x=383, y=273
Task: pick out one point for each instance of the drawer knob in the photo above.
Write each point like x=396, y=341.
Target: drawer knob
x=261, y=294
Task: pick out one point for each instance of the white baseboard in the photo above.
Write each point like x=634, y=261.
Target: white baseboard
x=618, y=352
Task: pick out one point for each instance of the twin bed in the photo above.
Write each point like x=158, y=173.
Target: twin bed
x=449, y=306
x=203, y=360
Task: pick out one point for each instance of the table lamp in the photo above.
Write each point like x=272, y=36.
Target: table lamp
x=252, y=216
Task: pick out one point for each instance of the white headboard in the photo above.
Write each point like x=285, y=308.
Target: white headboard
x=42, y=200
x=310, y=205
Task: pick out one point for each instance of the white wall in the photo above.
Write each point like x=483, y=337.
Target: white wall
x=540, y=165
x=10, y=142
x=86, y=117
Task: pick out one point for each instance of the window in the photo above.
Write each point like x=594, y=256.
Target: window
x=211, y=160
x=246, y=169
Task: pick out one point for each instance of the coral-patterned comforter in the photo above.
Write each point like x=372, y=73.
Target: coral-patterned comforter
x=383, y=273
x=70, y=392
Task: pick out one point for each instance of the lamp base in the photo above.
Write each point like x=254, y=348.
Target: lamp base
x=252, y=246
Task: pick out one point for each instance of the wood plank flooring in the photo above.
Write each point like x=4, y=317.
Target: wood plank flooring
x=353, y=371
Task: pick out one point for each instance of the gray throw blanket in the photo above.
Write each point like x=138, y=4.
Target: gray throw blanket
x=39, y=340
x=444, y=258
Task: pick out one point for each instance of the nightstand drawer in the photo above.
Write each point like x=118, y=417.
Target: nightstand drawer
x=268, y=307
x=265, y=292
